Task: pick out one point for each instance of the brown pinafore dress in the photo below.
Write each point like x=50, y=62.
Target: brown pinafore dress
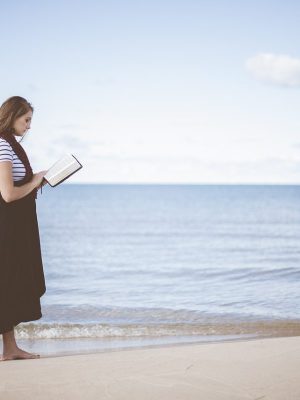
x=22, y=280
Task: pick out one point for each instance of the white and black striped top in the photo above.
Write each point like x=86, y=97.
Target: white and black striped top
x=7, y=154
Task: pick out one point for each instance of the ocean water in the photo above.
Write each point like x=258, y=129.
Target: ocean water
x=141, y=265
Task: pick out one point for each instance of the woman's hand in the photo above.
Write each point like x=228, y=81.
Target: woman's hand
x=42, y=184
x=37, y=179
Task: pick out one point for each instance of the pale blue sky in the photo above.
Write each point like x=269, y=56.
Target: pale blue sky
x=158, y=91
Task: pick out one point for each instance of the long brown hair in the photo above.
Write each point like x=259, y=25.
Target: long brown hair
x=13, y=108
x=10, y=110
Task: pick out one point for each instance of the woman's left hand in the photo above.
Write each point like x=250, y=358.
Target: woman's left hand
x=44, y=182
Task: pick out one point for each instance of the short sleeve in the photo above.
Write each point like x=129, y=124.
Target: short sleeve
x=6, y=151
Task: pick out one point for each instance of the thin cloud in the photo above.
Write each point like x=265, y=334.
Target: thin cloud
x=74, y=140
x=104, y=82
x=33, y=88
x=67, y=143
x=279, y=69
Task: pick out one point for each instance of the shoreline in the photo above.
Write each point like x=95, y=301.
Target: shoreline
x=51, y=347
x=161, y=346
x=254, y=369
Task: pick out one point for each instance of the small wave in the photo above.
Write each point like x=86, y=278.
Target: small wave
x=72, y=331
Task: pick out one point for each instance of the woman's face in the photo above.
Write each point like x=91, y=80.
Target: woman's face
x=22, y=124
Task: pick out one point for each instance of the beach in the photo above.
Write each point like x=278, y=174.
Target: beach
x=164, y=292
x=252, y=369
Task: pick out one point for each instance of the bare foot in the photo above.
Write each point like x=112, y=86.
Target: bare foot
x=18, y=354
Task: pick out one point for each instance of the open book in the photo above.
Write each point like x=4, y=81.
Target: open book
x=62, y=169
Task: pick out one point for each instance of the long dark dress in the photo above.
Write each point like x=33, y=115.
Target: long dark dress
x=22, y=280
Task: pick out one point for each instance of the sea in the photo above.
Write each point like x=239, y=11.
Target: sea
x=146, y=265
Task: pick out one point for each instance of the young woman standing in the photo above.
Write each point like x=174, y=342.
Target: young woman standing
x=22, y=280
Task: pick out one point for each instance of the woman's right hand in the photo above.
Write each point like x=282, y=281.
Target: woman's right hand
x=38, y=178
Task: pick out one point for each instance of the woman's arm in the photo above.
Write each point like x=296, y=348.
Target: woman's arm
x=8, y=191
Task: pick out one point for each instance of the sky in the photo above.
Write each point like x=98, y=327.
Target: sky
x=158, y=91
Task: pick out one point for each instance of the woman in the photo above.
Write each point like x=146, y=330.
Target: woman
x=22, y=280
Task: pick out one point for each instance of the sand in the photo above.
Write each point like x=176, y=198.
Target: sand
x=258, y=369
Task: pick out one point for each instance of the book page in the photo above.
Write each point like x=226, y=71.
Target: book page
x=61, y=169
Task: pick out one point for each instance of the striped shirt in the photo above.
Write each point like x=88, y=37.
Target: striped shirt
x=7, y=154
